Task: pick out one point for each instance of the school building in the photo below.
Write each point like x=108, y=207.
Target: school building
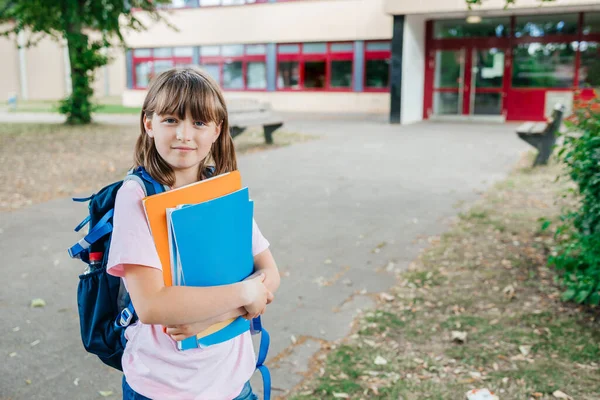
x=410, y=59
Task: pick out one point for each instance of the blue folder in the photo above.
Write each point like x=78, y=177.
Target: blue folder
x=212, y=246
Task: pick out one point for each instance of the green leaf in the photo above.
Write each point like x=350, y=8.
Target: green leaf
x=594, y=298
x=568, y=294
x=545, y=225
x=581, y=296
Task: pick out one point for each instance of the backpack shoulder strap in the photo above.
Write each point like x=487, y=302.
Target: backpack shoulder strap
x=265, y=340
x=148, y=184
x=210, y=171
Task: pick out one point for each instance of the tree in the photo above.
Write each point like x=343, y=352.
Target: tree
x=74, y=21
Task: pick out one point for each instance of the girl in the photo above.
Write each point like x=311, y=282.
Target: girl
x=184, y=129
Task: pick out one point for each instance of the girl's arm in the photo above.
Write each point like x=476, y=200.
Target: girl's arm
x=265, y=263
x=158, y=304
x=183, y=331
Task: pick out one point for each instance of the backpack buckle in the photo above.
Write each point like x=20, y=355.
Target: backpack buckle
x=125, y=318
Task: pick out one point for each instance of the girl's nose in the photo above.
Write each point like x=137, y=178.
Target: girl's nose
x=184, y=132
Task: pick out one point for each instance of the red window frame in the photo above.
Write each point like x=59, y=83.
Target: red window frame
x=245, y=58
x=169, y=6
x=164, y=6
x=507, y=44
x=151, y=59
x=301, y=58
x=233, y=5
x=370, y=55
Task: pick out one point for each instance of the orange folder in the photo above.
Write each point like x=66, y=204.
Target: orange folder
x=198, y=192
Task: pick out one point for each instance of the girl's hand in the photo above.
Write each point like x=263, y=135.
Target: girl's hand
x=270, y=295
x=256, y=294
x=249, y=316
x=180, y=332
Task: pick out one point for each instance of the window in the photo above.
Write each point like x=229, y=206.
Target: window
x=142, y=74
x=232, y=50
x=589, y=70
x=460, y=28
x=315, y=73
x=256, y=75
x=236, y=66
x=183, y=51
x=591, y=23
x=233, y=75
x=178, y=4
x=544, y=25
x=147, y=63
x=315, y=66
x=210, y=3
x=544, y=65
x=341, y=74
x=314, y=48
x=288, y=75
x=163, y=52
x=449, y=69
x=214, y=70
x=377, y=66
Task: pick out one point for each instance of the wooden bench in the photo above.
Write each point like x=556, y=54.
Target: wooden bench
x=244, y=113
x=542, y=135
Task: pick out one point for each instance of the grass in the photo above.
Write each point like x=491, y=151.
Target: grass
x=109, y=105
x=40, y=162
x=487, y=277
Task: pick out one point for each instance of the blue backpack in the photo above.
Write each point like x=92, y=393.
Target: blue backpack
x=104, y=306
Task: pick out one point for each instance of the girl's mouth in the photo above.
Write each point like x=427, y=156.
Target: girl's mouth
x=183, y=148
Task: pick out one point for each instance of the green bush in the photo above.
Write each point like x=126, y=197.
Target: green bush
x=577, y=255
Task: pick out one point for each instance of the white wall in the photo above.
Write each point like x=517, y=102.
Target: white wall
x=294, y=21
x=413, y=69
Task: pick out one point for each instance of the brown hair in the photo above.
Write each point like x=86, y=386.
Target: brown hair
x=179, y=92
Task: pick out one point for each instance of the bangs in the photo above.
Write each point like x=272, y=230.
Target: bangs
x=186, y=92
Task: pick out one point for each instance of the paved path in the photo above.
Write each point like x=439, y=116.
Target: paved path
x=324, y=205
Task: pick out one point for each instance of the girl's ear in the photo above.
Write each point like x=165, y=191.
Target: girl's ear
x=148, y=126
x=218, y=131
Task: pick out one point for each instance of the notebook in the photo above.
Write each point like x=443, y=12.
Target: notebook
x=156, y=209
x=211, y=245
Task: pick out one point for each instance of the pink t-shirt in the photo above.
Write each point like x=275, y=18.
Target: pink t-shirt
x=152, y=364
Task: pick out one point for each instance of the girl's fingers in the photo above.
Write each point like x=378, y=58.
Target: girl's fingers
x=174, y=331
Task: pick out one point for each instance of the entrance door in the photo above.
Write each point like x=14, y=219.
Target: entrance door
x=448, y=82
x=487, y=81
x=468, y=82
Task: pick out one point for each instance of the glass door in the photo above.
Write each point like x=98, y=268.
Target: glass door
x=448, y=84
x=487, y=81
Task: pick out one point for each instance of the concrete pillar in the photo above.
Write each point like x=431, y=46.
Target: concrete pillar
x=129, y=68
x=196, y=56
x=396, y=70
x=413, y=69
x=359, y=65
x=271, y=67
x=21, y=41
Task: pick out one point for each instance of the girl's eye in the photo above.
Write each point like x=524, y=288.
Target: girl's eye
x=170, y=120
x=199, y=123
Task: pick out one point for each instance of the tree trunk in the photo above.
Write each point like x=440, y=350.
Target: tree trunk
x=78, y=106
x=85, y=58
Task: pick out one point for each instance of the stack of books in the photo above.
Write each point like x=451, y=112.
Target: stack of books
x=203, y=235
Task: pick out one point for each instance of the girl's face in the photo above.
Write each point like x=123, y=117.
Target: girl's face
x=183, y=144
